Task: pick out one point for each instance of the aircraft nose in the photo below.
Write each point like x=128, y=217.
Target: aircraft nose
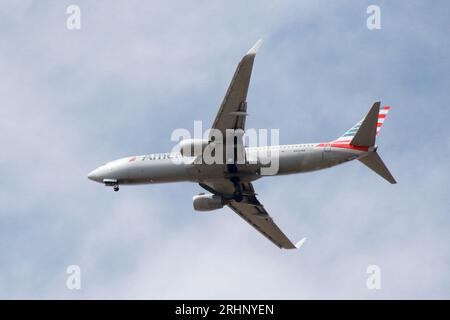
x=91, y=175
x=95, y=175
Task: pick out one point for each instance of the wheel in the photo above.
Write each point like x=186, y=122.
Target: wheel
x=237, y=197
x=116, y=188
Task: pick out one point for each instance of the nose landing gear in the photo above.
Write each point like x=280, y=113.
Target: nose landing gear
x=112, y=183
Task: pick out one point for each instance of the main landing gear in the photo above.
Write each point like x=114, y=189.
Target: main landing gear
x=116, y=188
x=237, y=195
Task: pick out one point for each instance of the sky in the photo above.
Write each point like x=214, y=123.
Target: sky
x=72, y=100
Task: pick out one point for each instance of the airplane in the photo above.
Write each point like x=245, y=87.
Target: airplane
x=229, y=182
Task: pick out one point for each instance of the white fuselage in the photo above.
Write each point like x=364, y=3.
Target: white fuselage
x=173, y=167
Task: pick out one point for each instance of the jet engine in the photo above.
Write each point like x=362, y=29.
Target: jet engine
x=207, y=202
x=192, y=147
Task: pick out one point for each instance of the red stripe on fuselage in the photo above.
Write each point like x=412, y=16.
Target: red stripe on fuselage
x=343, y=146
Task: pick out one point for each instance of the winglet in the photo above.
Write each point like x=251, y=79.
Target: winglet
x=299, y=244
x=255, y=48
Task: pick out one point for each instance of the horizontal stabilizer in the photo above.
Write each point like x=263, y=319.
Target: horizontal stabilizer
x=374, y=162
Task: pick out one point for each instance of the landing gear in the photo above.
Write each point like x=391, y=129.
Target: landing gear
x=237, y=195
x=112, y=183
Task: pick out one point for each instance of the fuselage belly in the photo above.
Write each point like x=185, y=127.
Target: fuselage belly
x=165, y=168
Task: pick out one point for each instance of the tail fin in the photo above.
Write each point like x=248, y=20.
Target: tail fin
x=374, y=162
x=364, y=132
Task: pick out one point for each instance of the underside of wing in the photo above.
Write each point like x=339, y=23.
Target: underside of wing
x=235, y=191
x=252, y=211
x=229, y=124
x=233, y=110
x=258, y=218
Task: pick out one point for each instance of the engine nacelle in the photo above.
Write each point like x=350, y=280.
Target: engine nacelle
x=192, y=147
x=207, y=202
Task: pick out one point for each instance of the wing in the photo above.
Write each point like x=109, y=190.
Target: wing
x=233, y=110
x=252, y=211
